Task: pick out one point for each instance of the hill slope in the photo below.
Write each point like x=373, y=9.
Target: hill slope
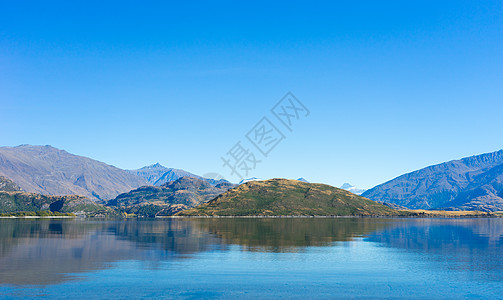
x=283, y=197
x=474, y=182
x=169, y=198
x=485, y=192
x=50, y=171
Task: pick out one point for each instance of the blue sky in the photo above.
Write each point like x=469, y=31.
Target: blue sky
x=391, y=86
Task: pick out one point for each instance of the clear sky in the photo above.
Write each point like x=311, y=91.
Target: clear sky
x=391, y=86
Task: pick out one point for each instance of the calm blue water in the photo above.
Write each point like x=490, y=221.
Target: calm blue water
x=252, y=258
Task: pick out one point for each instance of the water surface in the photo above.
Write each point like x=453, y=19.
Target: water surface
x=250, y=258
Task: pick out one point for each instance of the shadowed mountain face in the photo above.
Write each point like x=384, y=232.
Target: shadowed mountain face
x=485, y=192
x=50, y=171
x=169, y=198
x=472, y=183
x=13, y=202
x=282, y=197
x=8, y=185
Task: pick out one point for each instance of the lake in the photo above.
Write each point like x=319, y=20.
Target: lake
x=252, y=258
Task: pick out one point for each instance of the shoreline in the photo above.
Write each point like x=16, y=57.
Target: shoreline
x=407, y=214
x=39, y=217
x=431, y=216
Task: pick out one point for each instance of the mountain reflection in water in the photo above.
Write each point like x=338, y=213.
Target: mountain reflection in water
x=43, y=252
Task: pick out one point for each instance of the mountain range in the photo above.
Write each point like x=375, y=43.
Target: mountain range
x=472, y=183
x=168, y=198
x=50, y=171
x=158, y=174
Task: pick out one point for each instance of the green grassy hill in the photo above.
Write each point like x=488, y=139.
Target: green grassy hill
x=282, y=197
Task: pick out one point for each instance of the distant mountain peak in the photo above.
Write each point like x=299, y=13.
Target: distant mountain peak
x=158, y=175
x=351, y=188
x=346, y=186
x=154, y=166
